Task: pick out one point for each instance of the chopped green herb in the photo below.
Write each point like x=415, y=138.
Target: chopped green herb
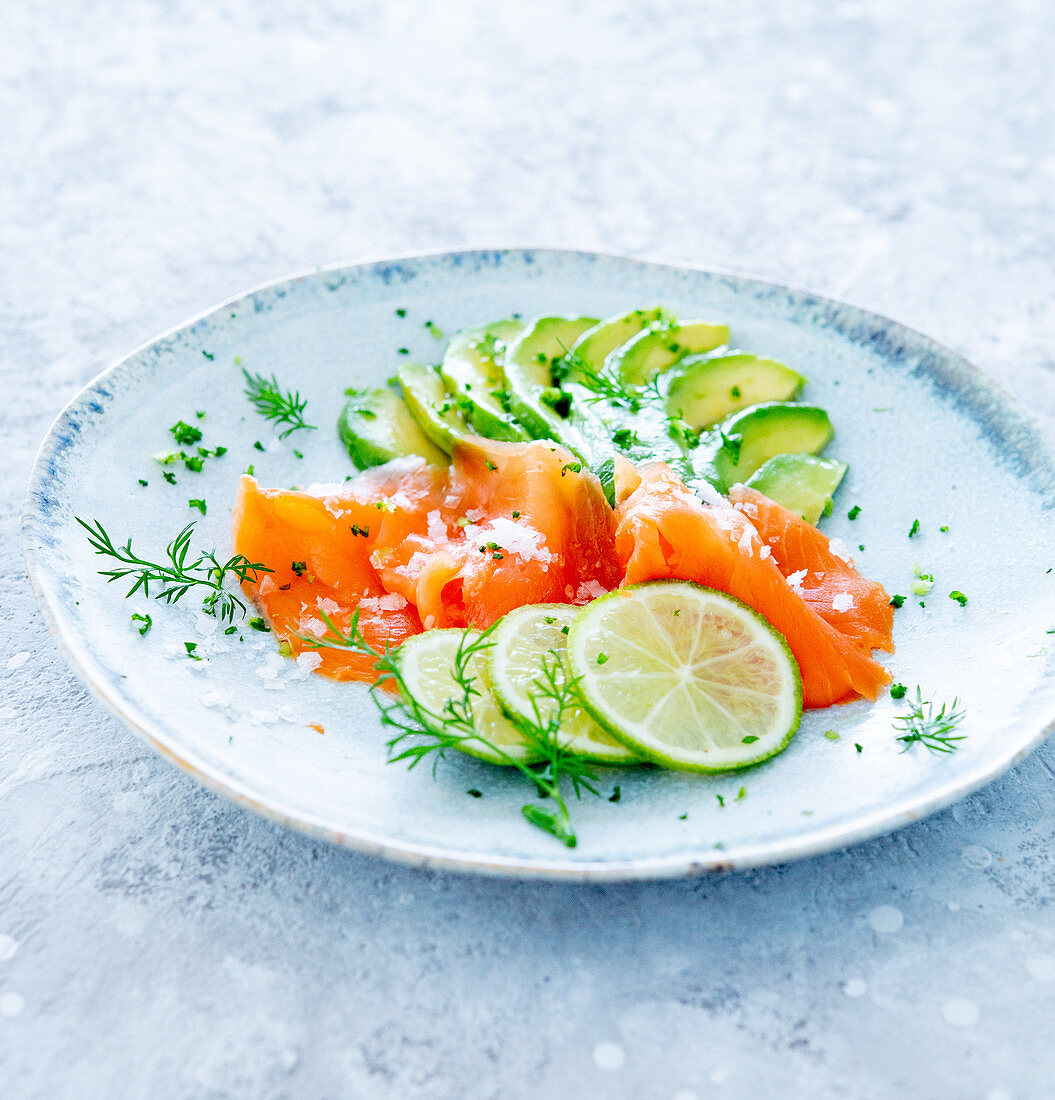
x=741, y=794
x=237, y=360
x=208, y=355
x=191, y=647
x=564, y=629
x=249, y=469
x=516, y=515
x=735, y=391
x=145, y=620
x=474, y=792
x=401, y=312
x=298, y=567
x=258, y=445
x=914, y=529
x=958, y=596
x=170, y=477
x=829, y=504
x=944, y=530
x=298, y=454
x=199, y=504
x=749, y=740
x=897, y=691
x=259, y=624
x=923, y=583
x=571, y=467
x=184, y=433
x=861, y=546
x=854, y=512
x=602, y=658
x=403, y=351
x=142, y=481
x=200, y=414
x=683, y=817
x=358, y=531
x=860, y=748
x=721, y=801
x=616, y=794
x=490, y=465
x=231, y=630
x=897, y=601
x=434, y=329
x=831, y=735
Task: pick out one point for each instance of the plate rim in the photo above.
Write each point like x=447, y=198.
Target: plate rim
x=904, y=811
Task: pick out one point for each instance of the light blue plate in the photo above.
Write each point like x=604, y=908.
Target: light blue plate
x=927, y=437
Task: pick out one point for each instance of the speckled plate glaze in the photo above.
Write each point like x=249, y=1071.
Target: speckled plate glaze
x=927, y=436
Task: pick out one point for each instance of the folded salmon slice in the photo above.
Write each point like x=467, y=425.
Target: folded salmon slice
x=665, y=531
x=416, y=547
x=823, y=570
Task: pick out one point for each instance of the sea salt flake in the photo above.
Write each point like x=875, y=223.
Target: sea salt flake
x=840, y=549
x=391, y=601
x=307, y=663
x=842, y=601
x=795, y=580
x=436, y=528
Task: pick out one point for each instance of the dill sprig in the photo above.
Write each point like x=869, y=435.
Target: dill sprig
x=269, y=400
x=934, y=729
x=179, y=573
x=421, y=732
x=604, y=384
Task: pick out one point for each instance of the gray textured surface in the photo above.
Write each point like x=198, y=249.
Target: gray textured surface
x=156, y=941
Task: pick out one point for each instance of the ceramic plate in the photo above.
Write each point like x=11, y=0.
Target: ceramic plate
x=926, y=435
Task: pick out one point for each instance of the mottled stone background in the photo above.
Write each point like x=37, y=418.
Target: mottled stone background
x=156, y=157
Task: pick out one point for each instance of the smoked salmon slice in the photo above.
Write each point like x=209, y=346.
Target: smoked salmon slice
x=415, y=546
x=664, y=530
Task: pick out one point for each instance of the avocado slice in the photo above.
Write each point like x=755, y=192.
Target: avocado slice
x=740, y=443
x=437, y=411
x=801, y=483
x=702, y=390
x=376, y=427
x=472, y=369
x=658, y=348
x=534, y=399
x=595, y=345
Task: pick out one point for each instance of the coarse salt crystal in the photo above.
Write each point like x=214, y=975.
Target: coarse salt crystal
x=765, y=552
x=843, y=601
x=796, y=579
x=436, y=528
x=313, y=626
x=308, y=662
x=590, y=590
x=391, y=601
x=745, y=544
x=325, y=604
x=839, y=549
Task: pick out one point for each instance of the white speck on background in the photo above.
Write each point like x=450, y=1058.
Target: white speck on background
x=11, y=1004
x=609, y=1056
x=19, y=659
x=960, y=1012
x=1041, y=967
x=8, y=947
x=885, y=918
x=974, y=855
x=854, y=987
x=953, y=906
x=719, y=1075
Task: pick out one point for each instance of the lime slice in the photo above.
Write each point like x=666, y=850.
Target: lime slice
x=686, y=676
x=524, y=639
x=427, y=664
